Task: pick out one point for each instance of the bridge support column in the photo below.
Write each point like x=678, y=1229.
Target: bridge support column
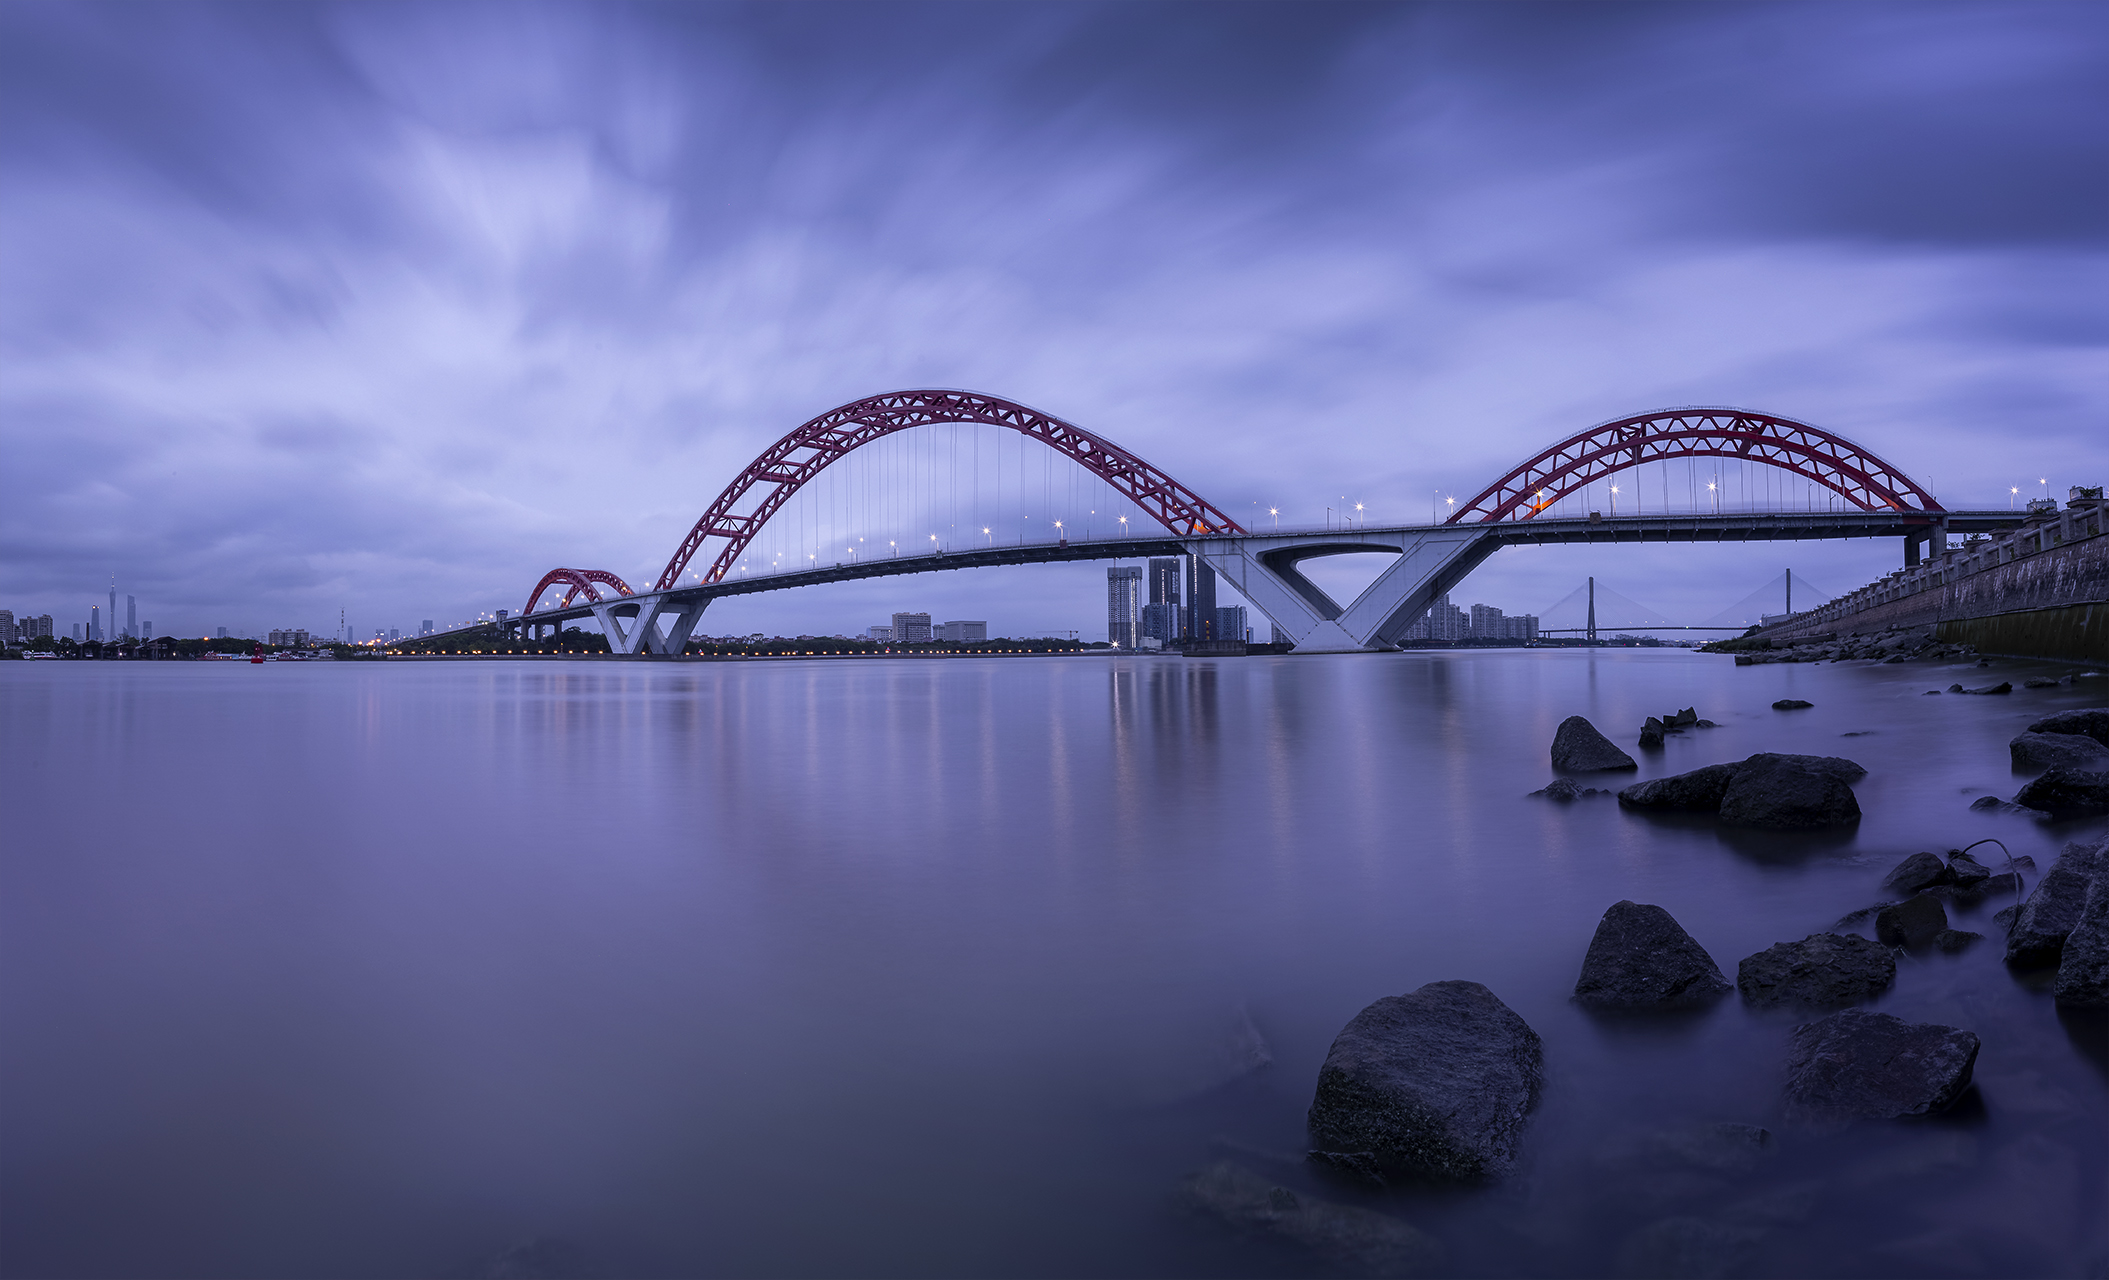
x=1264, y=571
x=631, y=623
x=1911, y=551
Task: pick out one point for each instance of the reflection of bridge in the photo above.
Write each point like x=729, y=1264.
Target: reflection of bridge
x=1874, y=500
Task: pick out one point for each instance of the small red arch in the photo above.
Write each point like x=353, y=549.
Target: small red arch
x=787, y=465
x=1829, y=459
x=577, y=582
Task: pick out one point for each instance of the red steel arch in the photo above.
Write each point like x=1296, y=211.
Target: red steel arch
x=1829, y=459
x=770, y=480
x=579, y=582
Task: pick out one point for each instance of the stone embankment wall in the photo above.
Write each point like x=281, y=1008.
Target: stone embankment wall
x=2040, y=591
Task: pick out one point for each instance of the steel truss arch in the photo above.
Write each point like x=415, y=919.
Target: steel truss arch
x=1825, y=457
x=794, y=460
x=577, y=582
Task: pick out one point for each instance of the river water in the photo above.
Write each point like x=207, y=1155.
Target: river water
x=936, y=968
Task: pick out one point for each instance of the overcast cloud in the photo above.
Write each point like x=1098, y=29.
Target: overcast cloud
x=391, y=307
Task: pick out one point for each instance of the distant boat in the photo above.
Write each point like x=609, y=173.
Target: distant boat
x=256, y=654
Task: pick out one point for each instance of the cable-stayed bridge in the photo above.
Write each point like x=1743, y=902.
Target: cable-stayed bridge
x=899, y=463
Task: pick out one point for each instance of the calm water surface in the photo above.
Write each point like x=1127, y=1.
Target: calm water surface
x=940, y=968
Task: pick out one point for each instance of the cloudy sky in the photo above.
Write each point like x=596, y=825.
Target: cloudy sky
x=390, y=307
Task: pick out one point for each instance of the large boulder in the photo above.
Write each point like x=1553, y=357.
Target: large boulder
x=1822, y=971
x=1966, y=870
x=1856, y=1065
x=2039, y=931
x=1913, y=922
x=2083, y=968
x=1435, y=1083
x=1577, y=747
x=2067, y=793
x=1789, y=793
x=1355, y=1240
x=1699, y=791
x=1641, y=958
x=1919, y=871
x=2090, y=722
x=2036, y=751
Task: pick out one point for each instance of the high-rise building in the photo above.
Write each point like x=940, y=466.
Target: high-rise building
x=911, y=628
x=222, y=634
x=7, y=626
x=393, y=634
x=1230, y=623
x=95, y=624
x=76, y=633
x=146, y=631
x=112, y=623
x=1200, y=599
x=131, y=617
x=883, y=632
x=1443, y=621
x=425, y=628
x=28, y=628
x=963, y=632
x=1164, y=581
x=1488, y=623
x=1160, y=622
x=1123, y=618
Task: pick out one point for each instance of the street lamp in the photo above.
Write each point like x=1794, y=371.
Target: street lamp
x=1276, y=512
x=1713, y=497
x=1614, y=502
x=1358, y=513
x=2011, y=495
x=991, y=536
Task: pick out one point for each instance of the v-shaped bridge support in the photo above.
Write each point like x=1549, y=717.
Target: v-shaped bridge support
x=631, y=623
x=1264, y=571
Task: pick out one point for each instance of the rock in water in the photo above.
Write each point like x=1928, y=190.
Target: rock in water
x=2002, y=687
x=1685, y=719
x=1856, y=1065
x=1359, y=1241
x=1560, y=789
x=1436, y=1082
x=2058, y=751
x=1641, y=958
x=1966, y=870
x=1822, y=971
x=1913, y=922
x=1953, y=941
x=1578, y=748
x=1651, y=734
x=1792, y=704
x=2067, y=793
x=2083, y=970
x=1699, y=791
x=2092, y=722
x=1919, y=871
x=2049, y=915
x=1788, y=793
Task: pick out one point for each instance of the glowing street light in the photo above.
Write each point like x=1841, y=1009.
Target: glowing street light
x=991, y=536
x=1614, y=502
x=1276, y=512
x=2011, y=495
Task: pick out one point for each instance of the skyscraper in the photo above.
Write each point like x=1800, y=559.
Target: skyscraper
x=1123, y=621
x=1200, y=599
x=1161, y=617
x=131, y=617
x=95, y=627
x=911, y=628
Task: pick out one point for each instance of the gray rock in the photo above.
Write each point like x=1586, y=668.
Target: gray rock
x=1436, y=1083
x=1651, y=734
x=1952, y=941
x=1360, y=1241
x=1956, y=688
x=1919, y=871
x=2005, y=917
x=1687, y=1248
x=1913, y=922
x=2001, y=687
x=2083, y=859
x=2083, y=969
x=1791, y=704
x=1788, y=793
x=2089, y=722
x=1822, y=971
x=1966, y=870
x=2036, y=751
x=1931, y=693
x=1560, y=789
x=1706, y=724
x=1856, y=1065
x=1577, y=747
x=1993, y=804
x=1685, y=719
x=2067, y=793
x=2038, y=935
x=1699, y=791
x=1641, y=958
x=2039, y=682
x=1975, y=893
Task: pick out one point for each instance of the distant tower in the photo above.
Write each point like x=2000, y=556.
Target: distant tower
x=95, y=630
x=113, y=606
x=1123, y=617
x=1592, y=610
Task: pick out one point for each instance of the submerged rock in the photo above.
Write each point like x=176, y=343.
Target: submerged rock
x=1641, y=958
x=2067, y=793
x=1559, y=789
x=1651, y=733
x=1966, y=870
x=1791, y=704
x=1436, y=1083
x=1790, y=793
x=1952, y=941
x=2001, y=687
x=1822, y=971
x=2091, y=722
x=1856, y=1065
x=1357, y=1240
x=2083, y=968
x=1919, y=871
x=2058, y=751
x=2040, y=928
x=1913, y=922
x=2039, y=682
x=1699, y=791
x=1577, y=747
